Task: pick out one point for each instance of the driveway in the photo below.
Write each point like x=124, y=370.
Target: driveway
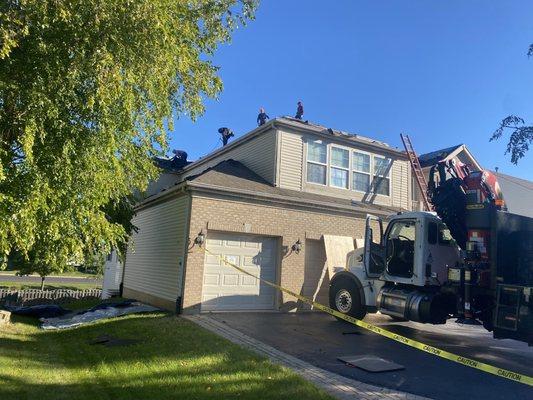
x=319, y=339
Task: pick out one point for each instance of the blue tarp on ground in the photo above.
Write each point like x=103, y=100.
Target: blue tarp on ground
x=96, y=313
x=53, y=316
x=40, y=311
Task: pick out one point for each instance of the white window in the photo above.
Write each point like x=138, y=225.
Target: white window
x=317, y=162
x=340, y=167
x=330, y=165
x=361, y=171
x=382, y=168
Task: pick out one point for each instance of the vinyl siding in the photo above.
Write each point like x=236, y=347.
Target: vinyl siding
x=258, y=154
x=291, y=161
x=401, y=184
x=293, y=167
x=153, y=259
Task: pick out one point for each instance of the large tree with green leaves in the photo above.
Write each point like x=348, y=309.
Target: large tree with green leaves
x=87, y=91
x=521, y=134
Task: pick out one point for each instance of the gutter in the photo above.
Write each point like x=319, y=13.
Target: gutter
x=285, y=200
x=176, y=189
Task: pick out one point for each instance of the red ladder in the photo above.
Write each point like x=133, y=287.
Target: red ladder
x=417, y=170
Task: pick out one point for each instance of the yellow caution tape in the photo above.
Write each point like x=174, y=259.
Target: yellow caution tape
x=491, y=369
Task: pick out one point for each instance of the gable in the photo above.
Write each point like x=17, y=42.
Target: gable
x=256, y=150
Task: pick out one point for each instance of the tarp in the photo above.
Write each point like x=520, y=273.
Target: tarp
x=39, y=311
x=102, y=311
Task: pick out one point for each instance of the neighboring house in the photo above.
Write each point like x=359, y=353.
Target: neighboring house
x=283, y=183
x=459, y=152
x=517, y=193
x=113, y=268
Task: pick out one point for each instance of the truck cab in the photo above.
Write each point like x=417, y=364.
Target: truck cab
x=401, y=271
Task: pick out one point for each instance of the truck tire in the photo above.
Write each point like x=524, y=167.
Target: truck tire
x=345, y=296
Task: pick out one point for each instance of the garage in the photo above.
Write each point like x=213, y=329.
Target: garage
x=226, y=289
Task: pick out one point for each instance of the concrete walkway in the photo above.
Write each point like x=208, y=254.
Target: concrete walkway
x=339, y=387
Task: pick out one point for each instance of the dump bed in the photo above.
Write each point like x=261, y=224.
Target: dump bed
x=510, y=244
x=511, y=270
x=512, y=248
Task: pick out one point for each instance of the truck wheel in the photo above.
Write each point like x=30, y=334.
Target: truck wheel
x=345, y=297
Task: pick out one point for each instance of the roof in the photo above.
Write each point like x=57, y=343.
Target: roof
x=429, y=159
x=172, y=164
x=354, y=137
x=307, y=127
x=232, y=177
x=517, y=193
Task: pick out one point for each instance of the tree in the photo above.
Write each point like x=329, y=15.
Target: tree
x=521, y=134
x=27, y=265
x=87, y=89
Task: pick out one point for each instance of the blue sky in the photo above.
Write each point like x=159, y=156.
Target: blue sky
x=445, y=72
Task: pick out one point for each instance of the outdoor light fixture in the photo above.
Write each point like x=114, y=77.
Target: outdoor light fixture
x=200, y=239
x=297, y=247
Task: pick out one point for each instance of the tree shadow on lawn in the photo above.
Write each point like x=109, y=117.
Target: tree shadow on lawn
x=167, y=385
x=175, y=359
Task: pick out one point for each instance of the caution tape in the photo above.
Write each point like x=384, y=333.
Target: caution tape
x=491, y=369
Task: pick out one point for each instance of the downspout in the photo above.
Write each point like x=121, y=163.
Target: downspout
x=121, y=286
x=179, y=299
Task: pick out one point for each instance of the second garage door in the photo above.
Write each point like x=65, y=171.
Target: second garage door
x=225, y=288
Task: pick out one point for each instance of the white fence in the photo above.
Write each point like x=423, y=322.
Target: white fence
x=46, y=296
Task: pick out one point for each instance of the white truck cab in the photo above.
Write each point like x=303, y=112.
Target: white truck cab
x=400, y=271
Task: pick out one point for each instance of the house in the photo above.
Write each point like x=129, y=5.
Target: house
x=112, y=279
x=459, y=153
x=517, y=193
x=264, y=202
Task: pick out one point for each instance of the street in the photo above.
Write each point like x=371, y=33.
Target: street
x=49, y=279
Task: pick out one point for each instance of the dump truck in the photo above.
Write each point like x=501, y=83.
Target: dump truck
x=468, y=258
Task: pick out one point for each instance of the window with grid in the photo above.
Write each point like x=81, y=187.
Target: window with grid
x=382, y=168
x=339, y=167
x=317, y=162
x=361, y=171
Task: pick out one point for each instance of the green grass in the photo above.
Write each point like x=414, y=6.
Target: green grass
x=37, y=285
x=174, y=360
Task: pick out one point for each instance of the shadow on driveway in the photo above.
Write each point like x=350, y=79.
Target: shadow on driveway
x=319, y=339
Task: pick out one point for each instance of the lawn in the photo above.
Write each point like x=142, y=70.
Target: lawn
x=174, y=359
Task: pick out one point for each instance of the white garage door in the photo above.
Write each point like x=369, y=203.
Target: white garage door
x=225, y=288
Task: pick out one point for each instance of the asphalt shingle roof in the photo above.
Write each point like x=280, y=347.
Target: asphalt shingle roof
x=434, y=157
x=232, y=175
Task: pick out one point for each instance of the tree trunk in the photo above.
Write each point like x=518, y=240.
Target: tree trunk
x=42, y=282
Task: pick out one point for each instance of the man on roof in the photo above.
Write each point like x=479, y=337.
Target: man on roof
x=262, y=117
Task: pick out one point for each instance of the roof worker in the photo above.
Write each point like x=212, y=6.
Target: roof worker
x=299, y=111
x=262, y=117
x=226, y=134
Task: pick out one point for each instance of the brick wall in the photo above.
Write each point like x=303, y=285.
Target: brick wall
x=288, y=224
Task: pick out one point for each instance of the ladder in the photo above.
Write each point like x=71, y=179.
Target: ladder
x=417, y=170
